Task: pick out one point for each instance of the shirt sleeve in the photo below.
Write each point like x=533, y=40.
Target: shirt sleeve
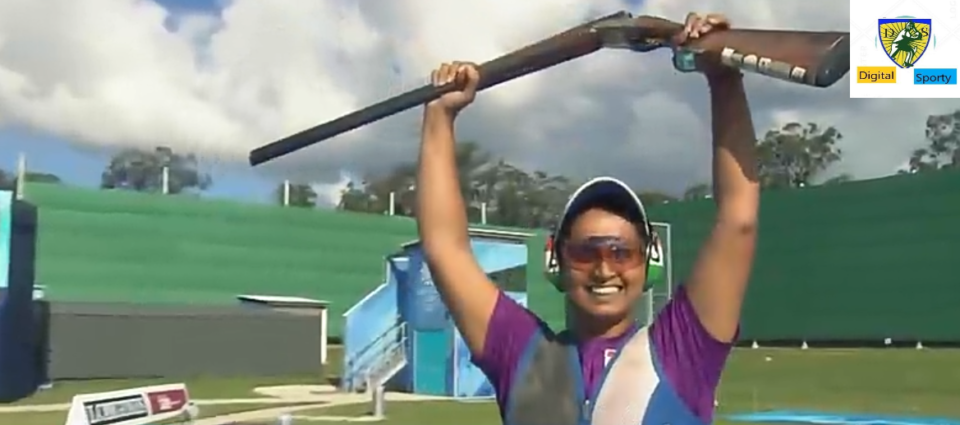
x=689, y=356
x=511, y=327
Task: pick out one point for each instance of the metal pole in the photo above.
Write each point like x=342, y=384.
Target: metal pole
x=379, y=400
x=165, y=180
x=483, y=213
x=668, y=259
x=324, y=334
x=456, y=363
x=393, y=204
x=286, y=193
x=21, y=175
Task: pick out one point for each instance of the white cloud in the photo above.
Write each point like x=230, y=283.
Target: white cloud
x=112, y=73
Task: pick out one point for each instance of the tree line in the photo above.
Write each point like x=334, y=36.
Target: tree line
x=136, y=170
x=794, y=155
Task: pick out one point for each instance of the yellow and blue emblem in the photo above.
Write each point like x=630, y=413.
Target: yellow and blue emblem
x=905, y=39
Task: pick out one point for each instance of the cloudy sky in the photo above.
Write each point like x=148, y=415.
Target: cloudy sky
x=79, y=79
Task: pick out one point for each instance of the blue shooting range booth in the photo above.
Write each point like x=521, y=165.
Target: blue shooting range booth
x=438, y=359
x=405, y=314
x=22, y=349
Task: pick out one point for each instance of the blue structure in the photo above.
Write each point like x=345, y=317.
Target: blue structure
x=21, y=359
x=406, y=312
x=465, y=379
x=373, y=323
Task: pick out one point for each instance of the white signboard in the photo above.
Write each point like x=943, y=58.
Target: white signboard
x=136, y=406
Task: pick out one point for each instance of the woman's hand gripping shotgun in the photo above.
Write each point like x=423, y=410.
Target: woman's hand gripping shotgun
x=812, y=58
x=807, y=57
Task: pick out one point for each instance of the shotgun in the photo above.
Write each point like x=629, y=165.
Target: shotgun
x=816, y=59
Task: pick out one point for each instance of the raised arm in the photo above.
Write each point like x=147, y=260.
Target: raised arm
x=720, y=274
x=441, y=214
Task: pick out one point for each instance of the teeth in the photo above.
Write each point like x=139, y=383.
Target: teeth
x=605, y=290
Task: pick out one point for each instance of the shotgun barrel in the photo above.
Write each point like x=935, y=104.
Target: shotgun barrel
x=562, y=47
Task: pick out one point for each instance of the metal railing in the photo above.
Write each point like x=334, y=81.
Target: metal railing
x=394, y=361
x=378, y=361
x=394, y=358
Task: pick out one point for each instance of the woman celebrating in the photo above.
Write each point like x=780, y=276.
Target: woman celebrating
x=605, y=369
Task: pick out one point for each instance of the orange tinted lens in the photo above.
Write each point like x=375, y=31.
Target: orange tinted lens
x=589, y=255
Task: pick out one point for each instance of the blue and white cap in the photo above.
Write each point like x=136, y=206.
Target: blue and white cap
x=615, y=195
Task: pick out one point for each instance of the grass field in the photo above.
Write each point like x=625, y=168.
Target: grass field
x=890, y=381
x=58, y=418
x=200, y=388
x=894, y=381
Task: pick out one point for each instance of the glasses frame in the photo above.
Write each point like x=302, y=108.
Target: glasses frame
x=603, y=252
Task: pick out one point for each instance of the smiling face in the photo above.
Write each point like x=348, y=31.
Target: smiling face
x=603, y=267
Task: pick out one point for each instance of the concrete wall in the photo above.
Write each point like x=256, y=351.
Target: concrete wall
x=98, y=340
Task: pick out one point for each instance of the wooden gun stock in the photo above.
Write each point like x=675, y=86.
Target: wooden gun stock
x=812, y=58
x=817, y=59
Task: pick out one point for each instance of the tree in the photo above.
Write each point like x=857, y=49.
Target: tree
x=517, y=198
x=372, y=195
x=355, y=198
x=510, y=195
x=549, y=195
x=697, y=191
x=142, y=171
x=8, y=181
x=301, y=195
x=40, y=177
x=943, y=145
x=794, y=155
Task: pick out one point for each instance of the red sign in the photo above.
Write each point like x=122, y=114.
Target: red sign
x=167, y=401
